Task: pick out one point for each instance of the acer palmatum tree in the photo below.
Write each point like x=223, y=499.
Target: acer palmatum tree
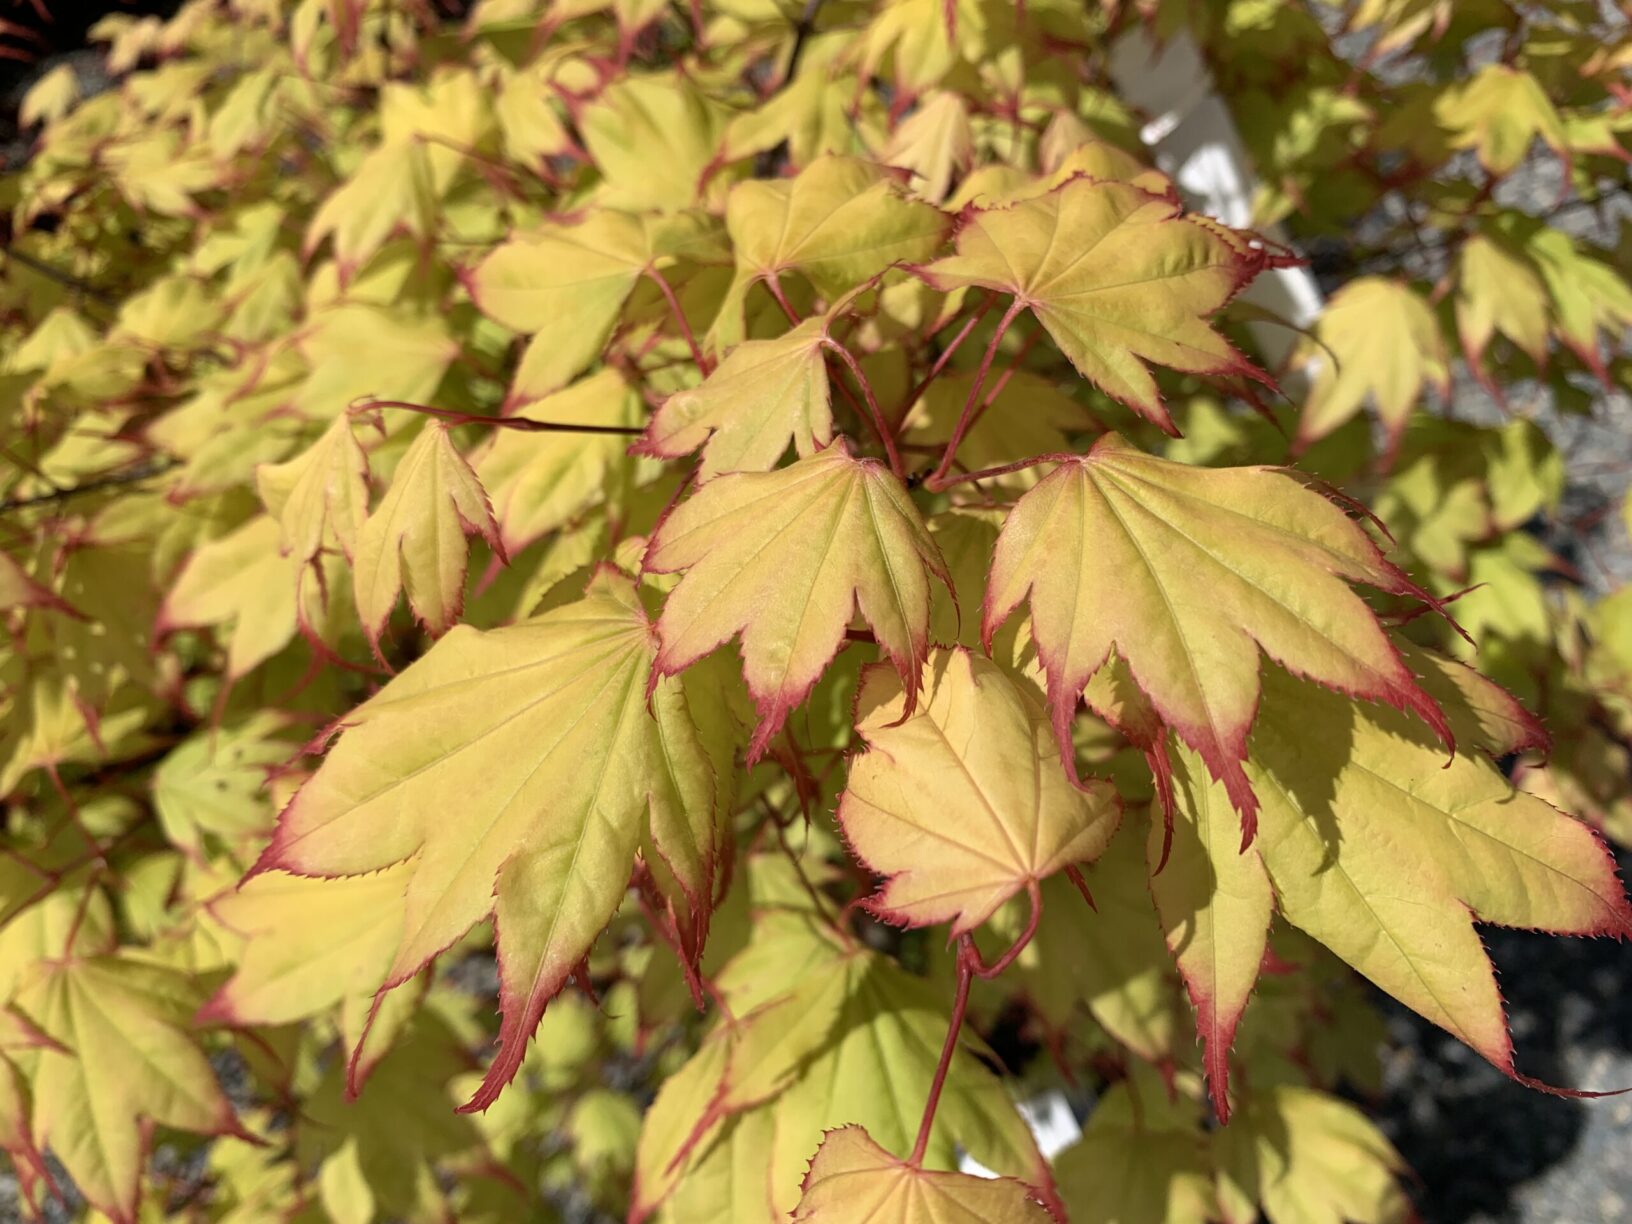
x=599, y=593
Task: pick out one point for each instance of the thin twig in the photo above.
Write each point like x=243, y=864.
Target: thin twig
x=134, y=476
x=704, y=365
x=967, y=416
x=524, y=424
x=886, y=435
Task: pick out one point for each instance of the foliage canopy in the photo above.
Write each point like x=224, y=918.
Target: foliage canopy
x=671, y=606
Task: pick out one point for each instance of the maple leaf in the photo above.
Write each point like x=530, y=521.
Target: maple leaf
x=1110, y=961
x=765, y=395
x=245, y=584
x=121, y=1059
x=852, y=1178
x=320, y=494
x=652, y=136
x=18, y=1036
x=215, y=783
x=357, y=350
x=1121, y=279
x=934, y=142
x=1499, y=290
x=871, y=1066
x=1187, y=572
x=1501, y=112
x=747, y=571
x=840, y=222
x=567, y=284
x=962, y=804
x=517, y=771
x=1141, y=1157
x=1377, y=338
x=389, y=190
x=309, y=943
x=1375, y=846
x=1297, y=1151
x=416, y=536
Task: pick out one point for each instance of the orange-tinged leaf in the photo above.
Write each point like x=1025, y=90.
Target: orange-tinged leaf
x=860, y=545
x=963, y=803
x=765, y=395
x=516, y=772
x=416, y=537
x=852, y=1178
x=1378, y=338
x=123, y=1058
x=1187, y=572
x=1119, y=277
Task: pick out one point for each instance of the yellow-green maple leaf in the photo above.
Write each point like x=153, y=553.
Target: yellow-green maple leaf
x=518, y=770
x=1187, y=572
x=765, y=395
x=1377, y=338
x=1141, y=1157
x=852, y=1178
x=319, y=495
x=1120, y=278
x=839, y=222
x=123, y=1059
x=566, y=284
x=862, y=547
x=1500, y=112
x=1304, y=1155
x=872, y=1067
x=415, y=539
x=963, y=803
x=243, y=585
x=308, y=944
x=1499, y=291
x=1375, y=846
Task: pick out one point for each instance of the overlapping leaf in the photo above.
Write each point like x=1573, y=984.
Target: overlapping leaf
x=765, y=395
x=1374, y=845
x=751, y=569
x=963, y=803
x=415, y=539
x=852, y=1178
x=1378, y=340
x=1121, y=279
x=1187, y=572
x=518, y=770
x=122, y=1059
